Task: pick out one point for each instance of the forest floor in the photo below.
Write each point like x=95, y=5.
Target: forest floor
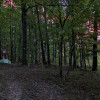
x=39, y=83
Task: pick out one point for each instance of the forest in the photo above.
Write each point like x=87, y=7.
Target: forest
x=53, y=44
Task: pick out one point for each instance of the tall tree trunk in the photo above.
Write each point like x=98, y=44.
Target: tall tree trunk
x=53, y=53
x=36, y=50
x=83, y=58
x=0, y=49
x=42, y=48
x=24, y=29
x=95, y=45
x=65, y=62
x=70, y=60
x=0, y=35
x=60, y=59
x=14, y=48
x=14, y=43
x=73, y=49
x=11, y=42
x=47, y=39
x=80, y=57
x=70, y=56
x=31, y=41
x=62, y=23
x=19, y=50
x=36, y=53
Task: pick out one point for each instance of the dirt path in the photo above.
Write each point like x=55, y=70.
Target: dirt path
x=14, y=89
x=22, y=85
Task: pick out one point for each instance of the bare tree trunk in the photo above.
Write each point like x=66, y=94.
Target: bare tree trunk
x=0, y=50
x=19, y=50
x=70, y=61
x=95, y=45
x=0, y=45
x=31, y=46
x=73, y=49
x=47, y=38
x=65, y=62
x=36, y=52
x=60, y=59
x=83, y=58
x=24, y=29
x=53, y=52
x=42, y=48
x=0, y=35
x=14, y=48
x=11, y=41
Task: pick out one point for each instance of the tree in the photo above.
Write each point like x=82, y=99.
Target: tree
x=41, y=38
x=24, y=29
x=0, y=34
x=47, y=40
x=96, y=15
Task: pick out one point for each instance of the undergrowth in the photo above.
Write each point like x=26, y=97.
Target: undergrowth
x=80, y=85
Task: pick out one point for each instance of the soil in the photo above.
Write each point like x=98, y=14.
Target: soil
x=22, y=84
